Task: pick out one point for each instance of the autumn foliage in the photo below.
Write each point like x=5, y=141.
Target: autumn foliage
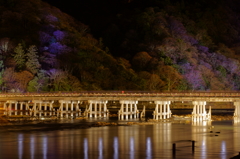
x=171, y=46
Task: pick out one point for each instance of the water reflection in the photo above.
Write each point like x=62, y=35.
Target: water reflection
x=223, y=150
x=85, y=148
x=131, y=148
x=122, y=142
x=236, y=120
x=45, y=147
x=149, y=148
x=32, y=146
x=200, y=131
x=236, y=134
x=100, y=148
x=115, y=147
x=20, y=146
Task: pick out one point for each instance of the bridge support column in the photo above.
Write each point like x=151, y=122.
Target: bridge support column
x=168, y=110
x=162, y=110
x=236, y=115
x=60, y=110
x=125, y=111
x=90, y=109
x=199, y=111
x=5, y=108
x=71, y=109
x=64, y=108
x=45, y=109
x=136, y=112
x=27, y=108
x=15, y=110
x=51, y=109
x=105, y=109
x=9, y=108
x=78, y=110
x=95, y=110
x=100, y=108
x=34, y=109
x=21, y=108
x=39, y=107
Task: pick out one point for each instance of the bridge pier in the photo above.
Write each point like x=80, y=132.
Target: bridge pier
x=143, y=113
x=5, y=108
x=21, y=107
x=39, y=107
x=66, y=111
x=199, y=111
x=128, y=109
x=236, y=115
x=97, y=108
x=8, y=107
x=237, y=109
x=162, y=110
x=12, y=107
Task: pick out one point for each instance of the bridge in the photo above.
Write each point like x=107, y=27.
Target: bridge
x=123, y=95
x=67, y=103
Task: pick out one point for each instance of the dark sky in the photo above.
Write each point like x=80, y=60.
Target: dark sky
x=95, y=13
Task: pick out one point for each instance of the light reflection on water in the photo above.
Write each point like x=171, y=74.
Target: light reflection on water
x=32, y=146
x=115, y=147
x=20, y=146
x=148, y=148
x=125, y=142
x=45, y=147
x=85, y=148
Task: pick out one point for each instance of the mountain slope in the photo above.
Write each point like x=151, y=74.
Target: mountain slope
x=44, y=49
x=142, y=45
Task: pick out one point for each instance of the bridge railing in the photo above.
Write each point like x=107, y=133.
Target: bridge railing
x=129, y=93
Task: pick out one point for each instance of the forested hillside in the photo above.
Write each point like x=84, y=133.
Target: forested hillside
x=144, y=45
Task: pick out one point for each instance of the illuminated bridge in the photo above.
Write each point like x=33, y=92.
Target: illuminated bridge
x=67, y=103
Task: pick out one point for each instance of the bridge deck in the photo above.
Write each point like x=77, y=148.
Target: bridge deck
x=129, y=95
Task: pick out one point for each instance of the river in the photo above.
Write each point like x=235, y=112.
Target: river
x=218, y=139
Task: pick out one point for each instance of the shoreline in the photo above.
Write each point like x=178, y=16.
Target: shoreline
x=83, y=123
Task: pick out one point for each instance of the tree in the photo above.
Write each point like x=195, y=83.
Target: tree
x=170, y=75
x=140, y=60
x=39, y=82
x=155, y=83
x=1, y=74
x=63, y=81
x=22, y=79
x=5, y=46
x=32, y=63
x=16, y=81
x=19, y=57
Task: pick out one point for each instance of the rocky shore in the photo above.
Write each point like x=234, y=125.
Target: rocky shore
x=52, y=123
x=174, y=119
x=214, y=117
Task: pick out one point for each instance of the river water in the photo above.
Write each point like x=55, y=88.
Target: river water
x=215, y=140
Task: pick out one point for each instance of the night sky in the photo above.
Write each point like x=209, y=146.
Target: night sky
x=97, y=14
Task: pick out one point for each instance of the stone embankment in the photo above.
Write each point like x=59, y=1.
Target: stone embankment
x=174, y=119
x=214, y=117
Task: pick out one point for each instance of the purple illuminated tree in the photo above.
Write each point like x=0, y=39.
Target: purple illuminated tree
x=59, y=35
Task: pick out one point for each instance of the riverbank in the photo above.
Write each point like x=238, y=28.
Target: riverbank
x=54, y=123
